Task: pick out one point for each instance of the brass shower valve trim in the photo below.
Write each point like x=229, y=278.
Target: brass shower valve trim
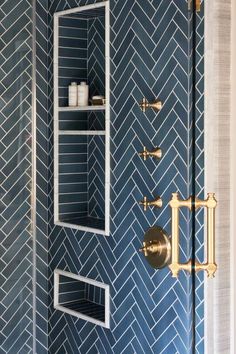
x=156, y=105
x=156, y=247
x=157, y=153
x=150, y=247
x=157, y=203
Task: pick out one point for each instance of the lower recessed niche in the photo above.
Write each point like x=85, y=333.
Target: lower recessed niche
x=82, y=297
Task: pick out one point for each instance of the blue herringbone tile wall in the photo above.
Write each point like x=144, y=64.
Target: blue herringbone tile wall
x=16, y=241
x=73, y=61
x=96, y=56
x=150, y=311
x=96, y=144
x=73, y=177
x=23, y=254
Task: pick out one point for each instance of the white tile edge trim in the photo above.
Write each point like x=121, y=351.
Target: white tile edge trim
x=81, y=228
x=82, y=132
x=58, y=306
x=78, y=109
x=81, y=8
x=56, y=116
x=107, y=119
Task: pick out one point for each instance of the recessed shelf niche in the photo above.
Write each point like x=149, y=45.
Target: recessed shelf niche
x=82, y=134
x=82, y=297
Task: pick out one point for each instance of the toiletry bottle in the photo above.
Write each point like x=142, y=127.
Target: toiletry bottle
x=83, y=94
x=72, y=95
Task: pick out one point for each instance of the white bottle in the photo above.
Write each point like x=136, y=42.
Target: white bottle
x=83, y=94
x=72, y=95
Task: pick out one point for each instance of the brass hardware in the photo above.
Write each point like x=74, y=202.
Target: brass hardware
x=157, y=202
x=156, y=247
x=156, y=105
x=157, y=153
x=210, y=266
x=175, y=204
x=210, y=203
x=197, y=5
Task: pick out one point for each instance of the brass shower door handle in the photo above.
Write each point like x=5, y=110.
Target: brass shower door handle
x=175, y=204
x=210, y=203
x=210, y=266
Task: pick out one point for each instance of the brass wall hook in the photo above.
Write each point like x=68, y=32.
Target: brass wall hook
x=157, y=203
x=157, y=153
x=156, y=105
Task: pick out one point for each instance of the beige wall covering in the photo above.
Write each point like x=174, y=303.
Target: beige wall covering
x=233, y=176
x=218, y=73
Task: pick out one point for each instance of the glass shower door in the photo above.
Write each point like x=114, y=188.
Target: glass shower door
x=189, y=196
x=173, y=174
x=214, y=240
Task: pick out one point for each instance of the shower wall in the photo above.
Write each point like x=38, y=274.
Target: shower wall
x=24, y=204
x=16, y=240
x=150, y=311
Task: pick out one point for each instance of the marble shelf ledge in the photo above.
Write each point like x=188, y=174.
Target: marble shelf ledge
x=82, y=132
x=86, y=108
